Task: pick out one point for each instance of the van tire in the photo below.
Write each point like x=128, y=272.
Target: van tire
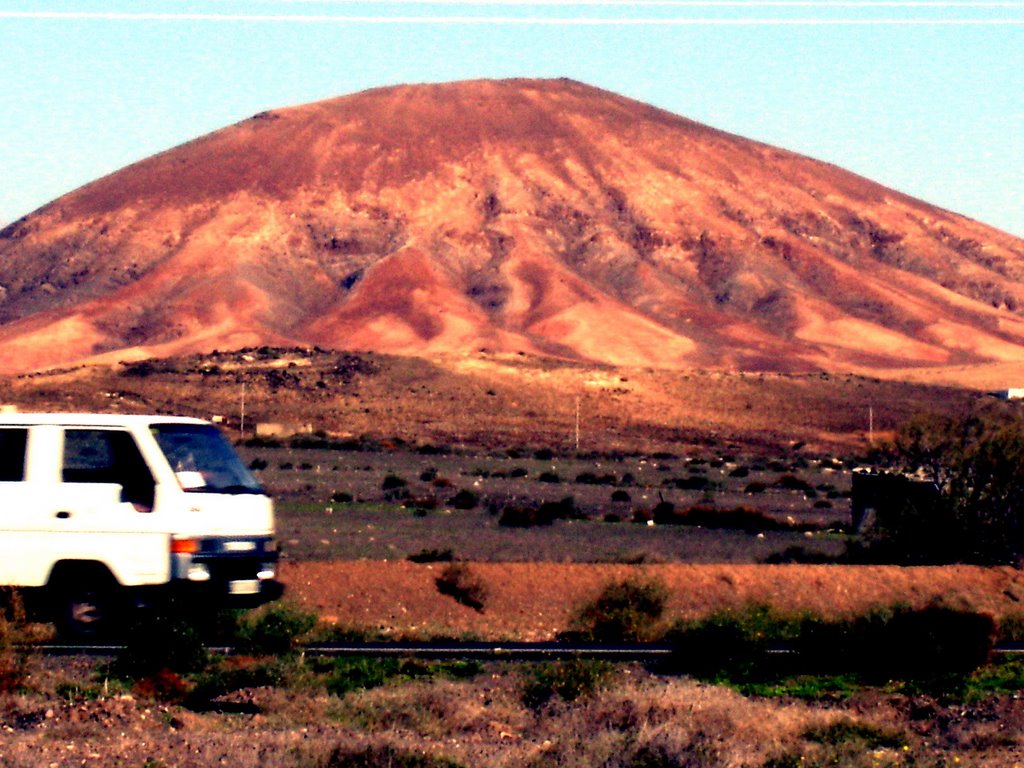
x=86, y=605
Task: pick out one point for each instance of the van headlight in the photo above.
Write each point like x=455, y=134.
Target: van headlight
x=198, y=572
x=266, y=572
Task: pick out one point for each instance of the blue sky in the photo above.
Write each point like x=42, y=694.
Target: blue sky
x=926, y=97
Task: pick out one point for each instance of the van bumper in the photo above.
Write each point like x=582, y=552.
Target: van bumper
x=240, y=593
x=228, y=572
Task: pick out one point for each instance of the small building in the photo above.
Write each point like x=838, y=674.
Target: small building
x=278, y=429
x=878, y=496
x=1013, y=393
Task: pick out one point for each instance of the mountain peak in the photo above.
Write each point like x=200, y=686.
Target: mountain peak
x=538, y=216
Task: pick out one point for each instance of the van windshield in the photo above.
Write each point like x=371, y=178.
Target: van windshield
x=203, y=460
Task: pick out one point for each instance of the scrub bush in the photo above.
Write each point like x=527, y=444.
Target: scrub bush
x=624, y=612
x=464, y=500
x=459, y=582
x=569, y=680
x=276, y=629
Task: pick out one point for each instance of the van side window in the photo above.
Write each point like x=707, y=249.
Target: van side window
x=108, y=456
x=12, y=454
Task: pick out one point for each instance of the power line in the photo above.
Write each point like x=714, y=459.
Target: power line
x=823, y=4
x=497, y=20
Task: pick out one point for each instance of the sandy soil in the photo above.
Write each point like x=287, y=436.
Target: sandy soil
x=534, y=601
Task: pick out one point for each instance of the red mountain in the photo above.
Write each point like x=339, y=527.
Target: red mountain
x=547, y=217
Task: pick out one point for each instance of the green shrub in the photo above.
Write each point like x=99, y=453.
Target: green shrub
x=564, y=509
x=522, y=517
x=465, y=500
x=360, y=672
x=865, y=735
x=1011, y=628
x=160, y=640
x=626, y=611
x=733, y=644
x=341, y=633
x=642, y=516
x=434, y=450
x=793, y=483
x=847, y=743
x=276, y=629
x=691, y=483
x=231, y=675
x=934, y=646
x=394, y=488
x=545, y=514
x=663, y=512
x=459, y=582
x=976, y=463
x=932, y=649
x=707, y=516
x=569, y=680
x=432, y=556
x=145, y=368
x=421, y=506
x=363, y=672
x=1004, y=677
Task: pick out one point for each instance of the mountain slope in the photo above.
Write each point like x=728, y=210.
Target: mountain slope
x=546, y=217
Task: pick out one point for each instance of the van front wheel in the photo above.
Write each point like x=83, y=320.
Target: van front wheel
x=86, y=608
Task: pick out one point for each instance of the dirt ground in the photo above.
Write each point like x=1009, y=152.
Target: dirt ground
x=67, y=712
x=534, y=601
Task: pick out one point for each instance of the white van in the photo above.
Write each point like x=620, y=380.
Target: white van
x=102, y=511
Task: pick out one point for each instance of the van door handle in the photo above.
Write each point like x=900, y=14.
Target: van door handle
x=63, y=515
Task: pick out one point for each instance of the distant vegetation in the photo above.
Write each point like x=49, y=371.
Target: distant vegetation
x=976, y=462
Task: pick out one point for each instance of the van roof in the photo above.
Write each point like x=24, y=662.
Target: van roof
x=94, y=419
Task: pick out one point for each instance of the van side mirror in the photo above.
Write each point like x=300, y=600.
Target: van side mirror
x=142, y=494
x=189, y=480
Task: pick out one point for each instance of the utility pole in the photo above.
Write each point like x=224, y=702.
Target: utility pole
x=871, y=425
x=577, y=423
x=241, y=428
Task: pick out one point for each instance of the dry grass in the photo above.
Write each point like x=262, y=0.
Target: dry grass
x=485, y=722
x=65, y=715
